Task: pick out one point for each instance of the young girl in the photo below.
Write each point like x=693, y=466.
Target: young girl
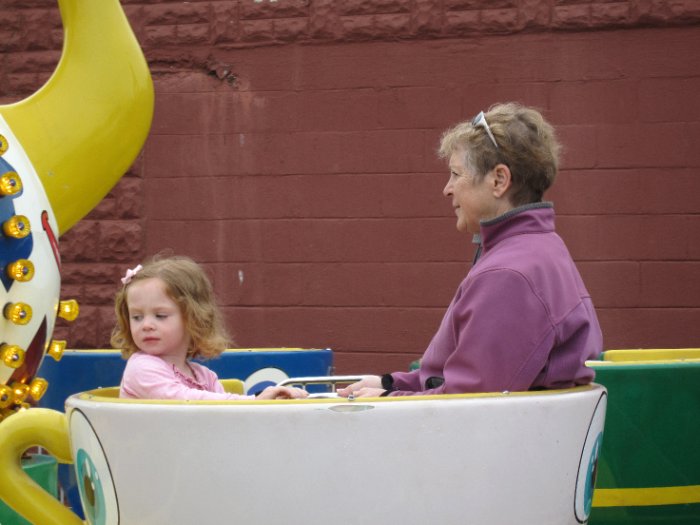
x=166, y=316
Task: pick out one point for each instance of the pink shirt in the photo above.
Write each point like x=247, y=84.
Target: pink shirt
x=150, y=377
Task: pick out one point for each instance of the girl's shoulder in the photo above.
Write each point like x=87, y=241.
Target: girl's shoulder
x=202, y=371
x=143, y=360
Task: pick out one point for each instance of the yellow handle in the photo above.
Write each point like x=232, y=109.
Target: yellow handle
x=84, y=128
x=34, y=427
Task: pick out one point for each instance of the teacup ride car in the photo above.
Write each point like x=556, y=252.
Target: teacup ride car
x=649, y=469
x=82, y=370
x=495, y=458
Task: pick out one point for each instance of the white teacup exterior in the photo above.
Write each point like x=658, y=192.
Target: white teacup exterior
x=497, y=458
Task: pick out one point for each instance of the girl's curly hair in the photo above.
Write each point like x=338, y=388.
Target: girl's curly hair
x=190, y=288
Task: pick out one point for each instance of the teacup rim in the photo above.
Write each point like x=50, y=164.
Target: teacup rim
x=111, y=395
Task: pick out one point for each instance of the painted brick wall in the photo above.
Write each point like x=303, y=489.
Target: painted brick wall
x=292, y=153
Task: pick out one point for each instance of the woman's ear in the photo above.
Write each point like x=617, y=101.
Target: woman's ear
x=502, y=180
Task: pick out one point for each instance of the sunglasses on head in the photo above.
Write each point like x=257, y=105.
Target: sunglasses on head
x=480, y=122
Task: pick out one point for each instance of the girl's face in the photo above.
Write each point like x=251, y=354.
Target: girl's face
x=156, y=322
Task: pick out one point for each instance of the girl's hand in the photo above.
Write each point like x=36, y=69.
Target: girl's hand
x=366, y=387
x=282, y=392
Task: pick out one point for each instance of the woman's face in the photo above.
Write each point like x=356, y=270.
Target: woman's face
x=472, y=198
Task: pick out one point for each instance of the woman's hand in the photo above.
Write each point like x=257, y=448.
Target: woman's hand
x=282, y=392
x=368, y=386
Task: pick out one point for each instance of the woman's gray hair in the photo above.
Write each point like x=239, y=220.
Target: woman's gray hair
x=526, y=144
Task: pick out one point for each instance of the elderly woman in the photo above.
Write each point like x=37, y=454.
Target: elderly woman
x=522, y=318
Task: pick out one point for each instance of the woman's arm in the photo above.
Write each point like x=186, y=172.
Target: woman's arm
x=498, y=336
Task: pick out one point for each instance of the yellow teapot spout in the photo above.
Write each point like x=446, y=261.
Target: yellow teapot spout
x=83, y=129
x=61, y=151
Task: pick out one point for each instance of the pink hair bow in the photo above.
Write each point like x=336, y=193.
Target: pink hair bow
x=130, y=274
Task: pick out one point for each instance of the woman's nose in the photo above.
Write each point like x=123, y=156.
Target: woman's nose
x=447, y=190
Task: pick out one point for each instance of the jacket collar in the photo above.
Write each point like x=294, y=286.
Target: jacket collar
x=537, y=217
